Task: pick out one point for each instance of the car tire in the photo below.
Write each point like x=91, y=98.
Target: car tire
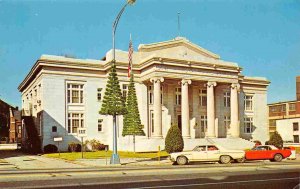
x=225, y=159
x=277, y=157
x=240, y=160
x=182, y=160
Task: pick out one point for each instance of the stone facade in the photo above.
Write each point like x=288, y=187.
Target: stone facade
x=177, y=82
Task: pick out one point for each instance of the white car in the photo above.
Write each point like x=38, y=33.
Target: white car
x=208, y=153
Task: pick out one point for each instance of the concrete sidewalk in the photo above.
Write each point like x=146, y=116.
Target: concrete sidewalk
x=18, y=160
x=124, y=162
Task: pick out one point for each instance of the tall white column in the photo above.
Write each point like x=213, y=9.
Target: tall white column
x=185, y=109
x=157, y=107
x=211, y=109
x=234, y=111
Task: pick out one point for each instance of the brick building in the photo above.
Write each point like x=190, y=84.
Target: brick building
x=15, y=128
x=284, y=117
x=10, y=123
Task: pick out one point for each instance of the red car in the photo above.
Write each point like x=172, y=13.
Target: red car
x=270, y=152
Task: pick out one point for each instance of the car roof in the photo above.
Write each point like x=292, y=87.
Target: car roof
x=271, y=146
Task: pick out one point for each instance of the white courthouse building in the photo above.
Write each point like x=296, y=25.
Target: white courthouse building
x=177, y=82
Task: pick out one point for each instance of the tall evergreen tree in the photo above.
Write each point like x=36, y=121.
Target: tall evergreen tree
x=113, y=104
x=132, y=121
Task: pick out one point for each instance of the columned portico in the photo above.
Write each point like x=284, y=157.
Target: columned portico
x=234, y=130
x=211, y=109
x=185, y=109
x=157, y=106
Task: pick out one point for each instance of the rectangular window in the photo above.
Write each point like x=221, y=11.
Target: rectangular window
x=273, y=109
x=74, y=93
x=272, y=122
x=203, y=123
x=248, y=125
x=226, y=99
x=296, y=138
x=226, y=121
x=99, y=94
x=124, y=91
x=292, y=107
x=75, y=121
x=54, y=129
x=152, y=121
x=203, y=97
x=178, y=95
x=248, y=102
x=283, y=108
x=296, y=126
x=100, y=121
x=150, y=94
x=19, y=129
x=68, y=96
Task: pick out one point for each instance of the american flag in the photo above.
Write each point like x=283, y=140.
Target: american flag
x=130, y=52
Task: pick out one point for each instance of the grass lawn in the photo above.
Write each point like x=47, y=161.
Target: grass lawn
x=102, y=154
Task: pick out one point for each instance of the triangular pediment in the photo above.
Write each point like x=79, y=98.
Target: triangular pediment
x=177, y=47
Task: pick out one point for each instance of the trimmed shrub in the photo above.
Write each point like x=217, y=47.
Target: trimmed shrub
x=174, y=140
x=50, y=148
x=74, y=147
x=78, y=148
x=276, y=140
x=96, y=145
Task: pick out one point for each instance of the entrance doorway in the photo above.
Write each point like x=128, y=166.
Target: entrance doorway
x=179, y=122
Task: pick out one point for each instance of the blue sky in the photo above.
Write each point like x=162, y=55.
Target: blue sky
x=263, y=37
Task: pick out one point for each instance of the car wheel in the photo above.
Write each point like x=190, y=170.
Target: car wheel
x=225, y=159
x=240, y=160
x=181, y=160
x=278, y=157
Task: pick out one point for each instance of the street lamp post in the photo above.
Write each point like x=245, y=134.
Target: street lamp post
x=115, y=24
x=115, y=159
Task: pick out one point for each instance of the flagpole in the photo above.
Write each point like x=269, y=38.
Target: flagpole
x=130, y=54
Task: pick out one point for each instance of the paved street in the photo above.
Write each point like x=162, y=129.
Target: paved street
x=29, y=171
x=155, y=177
